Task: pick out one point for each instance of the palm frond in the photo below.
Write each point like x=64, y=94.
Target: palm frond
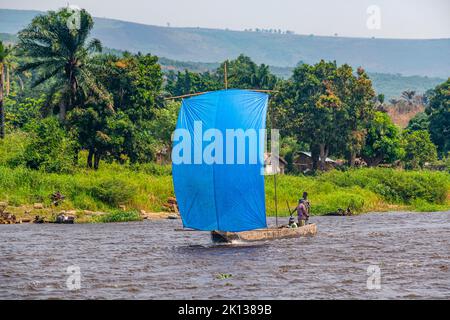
x=94, y=46
x=47, y=75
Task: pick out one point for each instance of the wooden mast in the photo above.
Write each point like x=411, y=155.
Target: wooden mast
x=272, y=124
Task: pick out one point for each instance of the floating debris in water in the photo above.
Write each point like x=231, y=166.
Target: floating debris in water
x=222, y=276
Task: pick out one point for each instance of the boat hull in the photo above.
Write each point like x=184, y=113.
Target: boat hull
x=264, y=234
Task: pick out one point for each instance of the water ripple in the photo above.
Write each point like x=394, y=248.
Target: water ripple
x=149, y=260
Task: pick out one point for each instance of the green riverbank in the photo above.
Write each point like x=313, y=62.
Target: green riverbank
x=147, y=187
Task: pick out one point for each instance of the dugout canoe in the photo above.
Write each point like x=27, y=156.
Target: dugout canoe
x=264, y=234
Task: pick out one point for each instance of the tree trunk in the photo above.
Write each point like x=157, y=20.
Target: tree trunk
x=2, y=110
x=373, y=162
x=20, y=82
x=351, y=159
x=315, y=157
x=89, y=158
x=97, y=158
x=323, y=152
x=7, y=80
x=62, y=111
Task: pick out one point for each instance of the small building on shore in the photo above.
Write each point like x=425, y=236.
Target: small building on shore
x=303, y=162
x=268, y=167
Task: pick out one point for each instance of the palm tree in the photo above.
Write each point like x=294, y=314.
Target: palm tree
x=408, y=95
x=62, y=57
x=4, y=52
x=394, y=101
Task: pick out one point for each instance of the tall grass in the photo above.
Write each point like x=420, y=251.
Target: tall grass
x=362, y=190
x=147, y=186
x=101, y=190
x=112, y=185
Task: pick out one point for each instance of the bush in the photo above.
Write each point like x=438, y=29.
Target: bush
x=394, y=185
x=113, y=191
x=49, y=149
x=418, y=149
x=12, y=149
x=119, y=216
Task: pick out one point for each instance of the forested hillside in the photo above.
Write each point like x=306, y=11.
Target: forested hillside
x=407, y=57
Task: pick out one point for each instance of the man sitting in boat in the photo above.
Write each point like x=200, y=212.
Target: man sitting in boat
x=292, y=223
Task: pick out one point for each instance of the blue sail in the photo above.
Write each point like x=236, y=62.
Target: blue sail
x=225, y=192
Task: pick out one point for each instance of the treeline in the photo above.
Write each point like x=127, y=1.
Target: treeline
x=62, y=95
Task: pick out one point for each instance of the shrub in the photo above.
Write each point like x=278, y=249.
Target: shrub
x=50, y=149
x=12, y=149
x=113, y=191
x=119, y=216
x=394, y=185
x=418, y=149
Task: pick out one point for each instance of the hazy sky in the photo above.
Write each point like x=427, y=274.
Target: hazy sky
x=389, y=18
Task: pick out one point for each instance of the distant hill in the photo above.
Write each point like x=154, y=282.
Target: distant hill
x=8, y=38
x=407, y=57
x=391, y=85
x=113, y=32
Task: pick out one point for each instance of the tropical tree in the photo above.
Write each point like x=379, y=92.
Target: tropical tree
x=4, y=52
x=383, y=141
x=357, y=94
x=308, y=107
x=187, y=82
x=127, y=133
x=61, y=54
x=408, y=96
x=420, y=121
x=438, y=111
x=418, y=149
x=327, y=107
x=394, y=101
x=49, y=147
x=381, y=98
x=243, y=73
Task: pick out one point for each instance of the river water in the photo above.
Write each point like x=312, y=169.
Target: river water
x=371, y=256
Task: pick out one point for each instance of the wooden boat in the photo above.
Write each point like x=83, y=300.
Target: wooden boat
x=218, y=197
x=264, y=234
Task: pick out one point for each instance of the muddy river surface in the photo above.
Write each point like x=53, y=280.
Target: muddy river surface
x=372, y=256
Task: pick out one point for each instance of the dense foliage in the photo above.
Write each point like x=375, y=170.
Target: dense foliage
x=438, y=111
x=112, y=105
x=383, y=141
x=328, y=107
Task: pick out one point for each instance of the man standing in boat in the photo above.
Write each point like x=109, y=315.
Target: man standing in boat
x=307, y=204
x=302, y=213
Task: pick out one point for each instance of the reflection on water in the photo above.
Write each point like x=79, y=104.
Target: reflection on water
x=149, y=260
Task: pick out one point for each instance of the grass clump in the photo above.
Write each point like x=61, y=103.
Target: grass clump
x=119, y=216
x=113, y=191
